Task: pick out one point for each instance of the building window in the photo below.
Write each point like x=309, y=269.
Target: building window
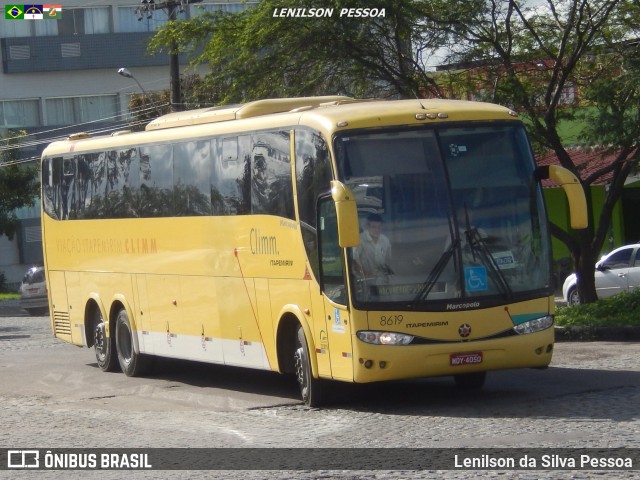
x=84, y=21
x=46, y=28
x=74, y=110
x=130, y=20
x=19, y=113
x=217, y=7
x=15, y=28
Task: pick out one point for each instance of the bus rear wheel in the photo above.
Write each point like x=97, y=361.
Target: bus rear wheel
x=132, y=364
x=105, y=347
x=312, y=390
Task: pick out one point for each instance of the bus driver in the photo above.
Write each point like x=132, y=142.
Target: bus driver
x=373, y=255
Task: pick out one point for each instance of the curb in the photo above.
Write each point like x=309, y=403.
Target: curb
x=10, y=303
x=601, y=334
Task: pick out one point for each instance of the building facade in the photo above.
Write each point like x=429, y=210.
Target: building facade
x=60, y=77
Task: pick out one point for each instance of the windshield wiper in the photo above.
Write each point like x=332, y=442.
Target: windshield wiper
x=431, y=280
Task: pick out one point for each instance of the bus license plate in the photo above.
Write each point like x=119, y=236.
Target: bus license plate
x=457, y=359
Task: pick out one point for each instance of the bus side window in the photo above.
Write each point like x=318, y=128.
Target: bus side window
x=51, y=186
x=331, y=257
x=313, y=174
x=271, y=187
x=226, y=174
x=191, y=173
x=156, y=181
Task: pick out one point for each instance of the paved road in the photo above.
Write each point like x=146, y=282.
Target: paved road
x=53, y=395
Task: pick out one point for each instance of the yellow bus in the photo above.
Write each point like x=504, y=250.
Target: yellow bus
x=324, y=237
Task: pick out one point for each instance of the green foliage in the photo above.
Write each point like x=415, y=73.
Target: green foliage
x=19, y=184
x=9, y=296
x=531, y=56
x=147, y=107
x=256, y=55
x=615, y=120
x=617, y=311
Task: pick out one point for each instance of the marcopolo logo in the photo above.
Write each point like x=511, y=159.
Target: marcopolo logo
x=23, y=459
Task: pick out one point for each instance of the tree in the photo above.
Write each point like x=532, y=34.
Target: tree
x=533, y=56
x=511, y=51
x=151, y=105
x=255, y=55
x=19, y=185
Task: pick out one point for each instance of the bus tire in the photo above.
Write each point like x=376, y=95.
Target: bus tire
x=311, y=389
x=104, y=347
x=132, y=364
x=470, y=381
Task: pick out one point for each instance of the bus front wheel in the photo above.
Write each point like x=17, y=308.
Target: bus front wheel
x=104, y=346
x=311, y=389
x=470, y=381
x=132, y=364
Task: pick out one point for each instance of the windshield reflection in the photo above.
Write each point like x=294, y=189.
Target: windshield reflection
x=445, y=214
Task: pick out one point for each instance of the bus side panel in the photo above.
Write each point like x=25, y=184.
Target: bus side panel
x=266, y=322
x=163, y=317
x=142, y=312
x=320, y=330
x=76, y=307
x=111, y=287
x=242, y=343
x=60, y=322
x=292, y=295
x=199, y=329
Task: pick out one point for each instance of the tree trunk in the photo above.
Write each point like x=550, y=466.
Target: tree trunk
x=585, y=261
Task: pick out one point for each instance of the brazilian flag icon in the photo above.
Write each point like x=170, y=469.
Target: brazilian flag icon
x=14, y=12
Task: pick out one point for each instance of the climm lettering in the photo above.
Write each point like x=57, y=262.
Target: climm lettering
x=262, y=244
x=140, y=245
x=107, y=246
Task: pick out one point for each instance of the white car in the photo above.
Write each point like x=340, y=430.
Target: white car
x=33, y=292
x=616, y=272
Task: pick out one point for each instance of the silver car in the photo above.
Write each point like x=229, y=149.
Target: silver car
x=616, y=272
x=33, y=292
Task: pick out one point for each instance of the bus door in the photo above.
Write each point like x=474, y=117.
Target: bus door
x=334, y=289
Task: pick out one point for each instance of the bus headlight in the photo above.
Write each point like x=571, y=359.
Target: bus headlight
x=534, y=325
x=385, y=338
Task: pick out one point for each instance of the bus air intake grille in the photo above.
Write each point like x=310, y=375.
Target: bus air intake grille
x=61, y=323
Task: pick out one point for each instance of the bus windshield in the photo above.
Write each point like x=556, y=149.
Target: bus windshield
x=445, y=213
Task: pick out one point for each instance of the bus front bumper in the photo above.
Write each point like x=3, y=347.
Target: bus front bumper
x=373, y=363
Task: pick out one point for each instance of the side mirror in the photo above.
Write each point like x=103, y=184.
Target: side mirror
x=347, y=214
x=572, y=189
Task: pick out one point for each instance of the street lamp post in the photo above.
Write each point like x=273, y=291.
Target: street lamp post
x=172, y=7
x=174, y=65
x=126, y=73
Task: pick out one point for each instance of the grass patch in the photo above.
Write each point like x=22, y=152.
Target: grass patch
x=9, y=296
x=618, y=311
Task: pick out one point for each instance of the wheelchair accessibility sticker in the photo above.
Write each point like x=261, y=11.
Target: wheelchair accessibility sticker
x=475, y=279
